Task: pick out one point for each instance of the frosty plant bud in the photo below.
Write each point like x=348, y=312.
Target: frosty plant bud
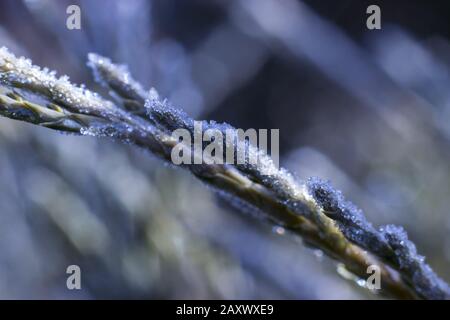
x=219, y=146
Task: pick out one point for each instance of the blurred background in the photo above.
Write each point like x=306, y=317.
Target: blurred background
x=367, y=109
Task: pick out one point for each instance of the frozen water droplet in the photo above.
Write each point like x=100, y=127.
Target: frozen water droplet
x=361, y=282
x=318, y=254
x=279, y=230
x=153, y=94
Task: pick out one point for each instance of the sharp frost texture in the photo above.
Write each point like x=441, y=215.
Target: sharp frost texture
x=422, y=276
x=313, y=210
x=115, y=77
x=390, y=242
x=21, y=73
x=170, y=118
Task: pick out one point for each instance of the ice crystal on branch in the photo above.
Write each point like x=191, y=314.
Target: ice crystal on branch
x=314, y=210
x=390, y=242
x=118, y=79
x=21, y=73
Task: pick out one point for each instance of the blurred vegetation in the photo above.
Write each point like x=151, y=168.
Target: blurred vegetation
x=350, y=107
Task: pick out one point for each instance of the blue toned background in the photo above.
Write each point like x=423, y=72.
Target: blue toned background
x=368, y=110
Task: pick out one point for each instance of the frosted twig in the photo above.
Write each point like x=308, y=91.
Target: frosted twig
x=305, y=209
x=350, y=219
x=119, y=81
x=390, y=242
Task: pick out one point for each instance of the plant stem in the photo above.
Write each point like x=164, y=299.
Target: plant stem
x=283, y=200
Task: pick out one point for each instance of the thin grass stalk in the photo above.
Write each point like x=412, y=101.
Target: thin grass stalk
x=312, y=210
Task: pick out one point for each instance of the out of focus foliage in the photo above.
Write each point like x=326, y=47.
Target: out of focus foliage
x=368, y=110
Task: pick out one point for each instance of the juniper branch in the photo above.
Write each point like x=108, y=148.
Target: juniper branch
x=305, y=209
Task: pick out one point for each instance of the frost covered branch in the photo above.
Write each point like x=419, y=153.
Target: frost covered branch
x=389, y=242
x=312, y=210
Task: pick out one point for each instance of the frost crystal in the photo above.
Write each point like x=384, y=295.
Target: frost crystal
x=166, y=116
x=146, y=121
x=350, y=219
x=116, y=77
x=287, y=189
x=390, y=242
x=20, y=72
x=424, y=279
